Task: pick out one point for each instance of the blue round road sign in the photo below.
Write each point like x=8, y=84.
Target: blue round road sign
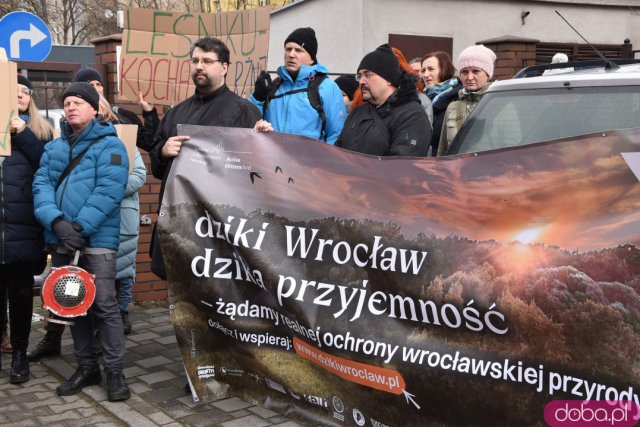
x=24, y=37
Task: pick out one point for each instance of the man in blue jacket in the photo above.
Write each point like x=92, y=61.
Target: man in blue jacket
x=287, y=103
x=80, y=211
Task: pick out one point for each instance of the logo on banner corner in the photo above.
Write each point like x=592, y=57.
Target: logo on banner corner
x=206, y=371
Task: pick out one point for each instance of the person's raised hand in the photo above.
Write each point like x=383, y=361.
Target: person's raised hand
x=146, y=106
x=263, y=86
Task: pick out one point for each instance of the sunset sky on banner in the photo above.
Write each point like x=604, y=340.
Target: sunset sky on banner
x=578, y=194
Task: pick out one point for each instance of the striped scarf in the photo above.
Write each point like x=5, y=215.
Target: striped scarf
x=436, y=91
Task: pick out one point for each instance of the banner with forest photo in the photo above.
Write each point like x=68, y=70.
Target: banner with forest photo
x=353, y=290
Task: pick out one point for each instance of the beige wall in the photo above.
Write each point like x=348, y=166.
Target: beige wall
x=337, y=24
x=348, y=29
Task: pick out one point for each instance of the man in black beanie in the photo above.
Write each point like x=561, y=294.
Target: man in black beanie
x=146, y=131
x=84, y=91
x=391, y=122
x=302, y=100
x=78, y=204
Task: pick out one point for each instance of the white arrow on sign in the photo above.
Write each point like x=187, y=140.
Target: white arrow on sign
x=34, y=35
x=410, y=397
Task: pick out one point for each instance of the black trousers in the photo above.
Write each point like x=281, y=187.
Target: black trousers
x=17, y=279
x=104, y=314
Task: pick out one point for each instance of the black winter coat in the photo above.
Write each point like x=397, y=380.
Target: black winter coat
x=407, y=133
x=21, y=236
x=219, y=108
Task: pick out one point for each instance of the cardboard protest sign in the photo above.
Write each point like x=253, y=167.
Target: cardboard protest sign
x=8, y=101
x=352, y=290
x=128, y=134
x=155, y=51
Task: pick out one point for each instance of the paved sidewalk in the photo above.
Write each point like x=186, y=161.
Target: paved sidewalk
x=154, y=373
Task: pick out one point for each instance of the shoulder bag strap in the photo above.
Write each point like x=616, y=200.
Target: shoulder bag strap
x=73, y=163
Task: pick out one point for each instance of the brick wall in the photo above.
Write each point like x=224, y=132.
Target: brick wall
x=148, y=286
x=512, y=54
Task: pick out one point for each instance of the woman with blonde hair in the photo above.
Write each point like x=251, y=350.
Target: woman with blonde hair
x=20, y=234
x=105, y=110
x=38, y=125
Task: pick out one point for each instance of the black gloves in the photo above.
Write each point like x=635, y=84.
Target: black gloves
x=263, y=86
x=69, y=234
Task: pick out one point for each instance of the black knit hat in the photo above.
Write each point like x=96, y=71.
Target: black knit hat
x=87, y=74
x=24, y=81
x=384, y=63
x=84, y=91
x=306, y=38
x=348, y=84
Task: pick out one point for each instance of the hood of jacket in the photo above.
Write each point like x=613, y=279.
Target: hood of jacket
x=407, y=91
x=95, y=129
x=304, y=73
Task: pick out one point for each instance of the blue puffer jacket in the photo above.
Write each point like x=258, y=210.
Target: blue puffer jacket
x=20, y=234
x=294, y=114
x=90, y=196
x=130, y=220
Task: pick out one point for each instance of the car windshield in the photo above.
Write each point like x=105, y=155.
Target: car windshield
x=513, y=118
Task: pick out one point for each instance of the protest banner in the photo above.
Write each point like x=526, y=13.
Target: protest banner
x=355, y=290
x=128, y=134
x=8, y=102
x=155, y=51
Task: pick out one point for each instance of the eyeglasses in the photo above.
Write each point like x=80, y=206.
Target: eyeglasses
x=205, y=61
x=25, y=92
x=365, y=75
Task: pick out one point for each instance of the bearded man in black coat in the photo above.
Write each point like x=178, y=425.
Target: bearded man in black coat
x=391, y=122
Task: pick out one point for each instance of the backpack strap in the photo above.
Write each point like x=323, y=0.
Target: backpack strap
x=313, y=93
x=73, y=163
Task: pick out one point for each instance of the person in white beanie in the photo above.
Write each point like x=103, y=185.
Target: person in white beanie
x=558, y=58
x=476, y=70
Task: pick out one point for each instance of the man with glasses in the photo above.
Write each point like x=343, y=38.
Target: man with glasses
x=213, y=104
x=301, y=100
x=391, y=122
